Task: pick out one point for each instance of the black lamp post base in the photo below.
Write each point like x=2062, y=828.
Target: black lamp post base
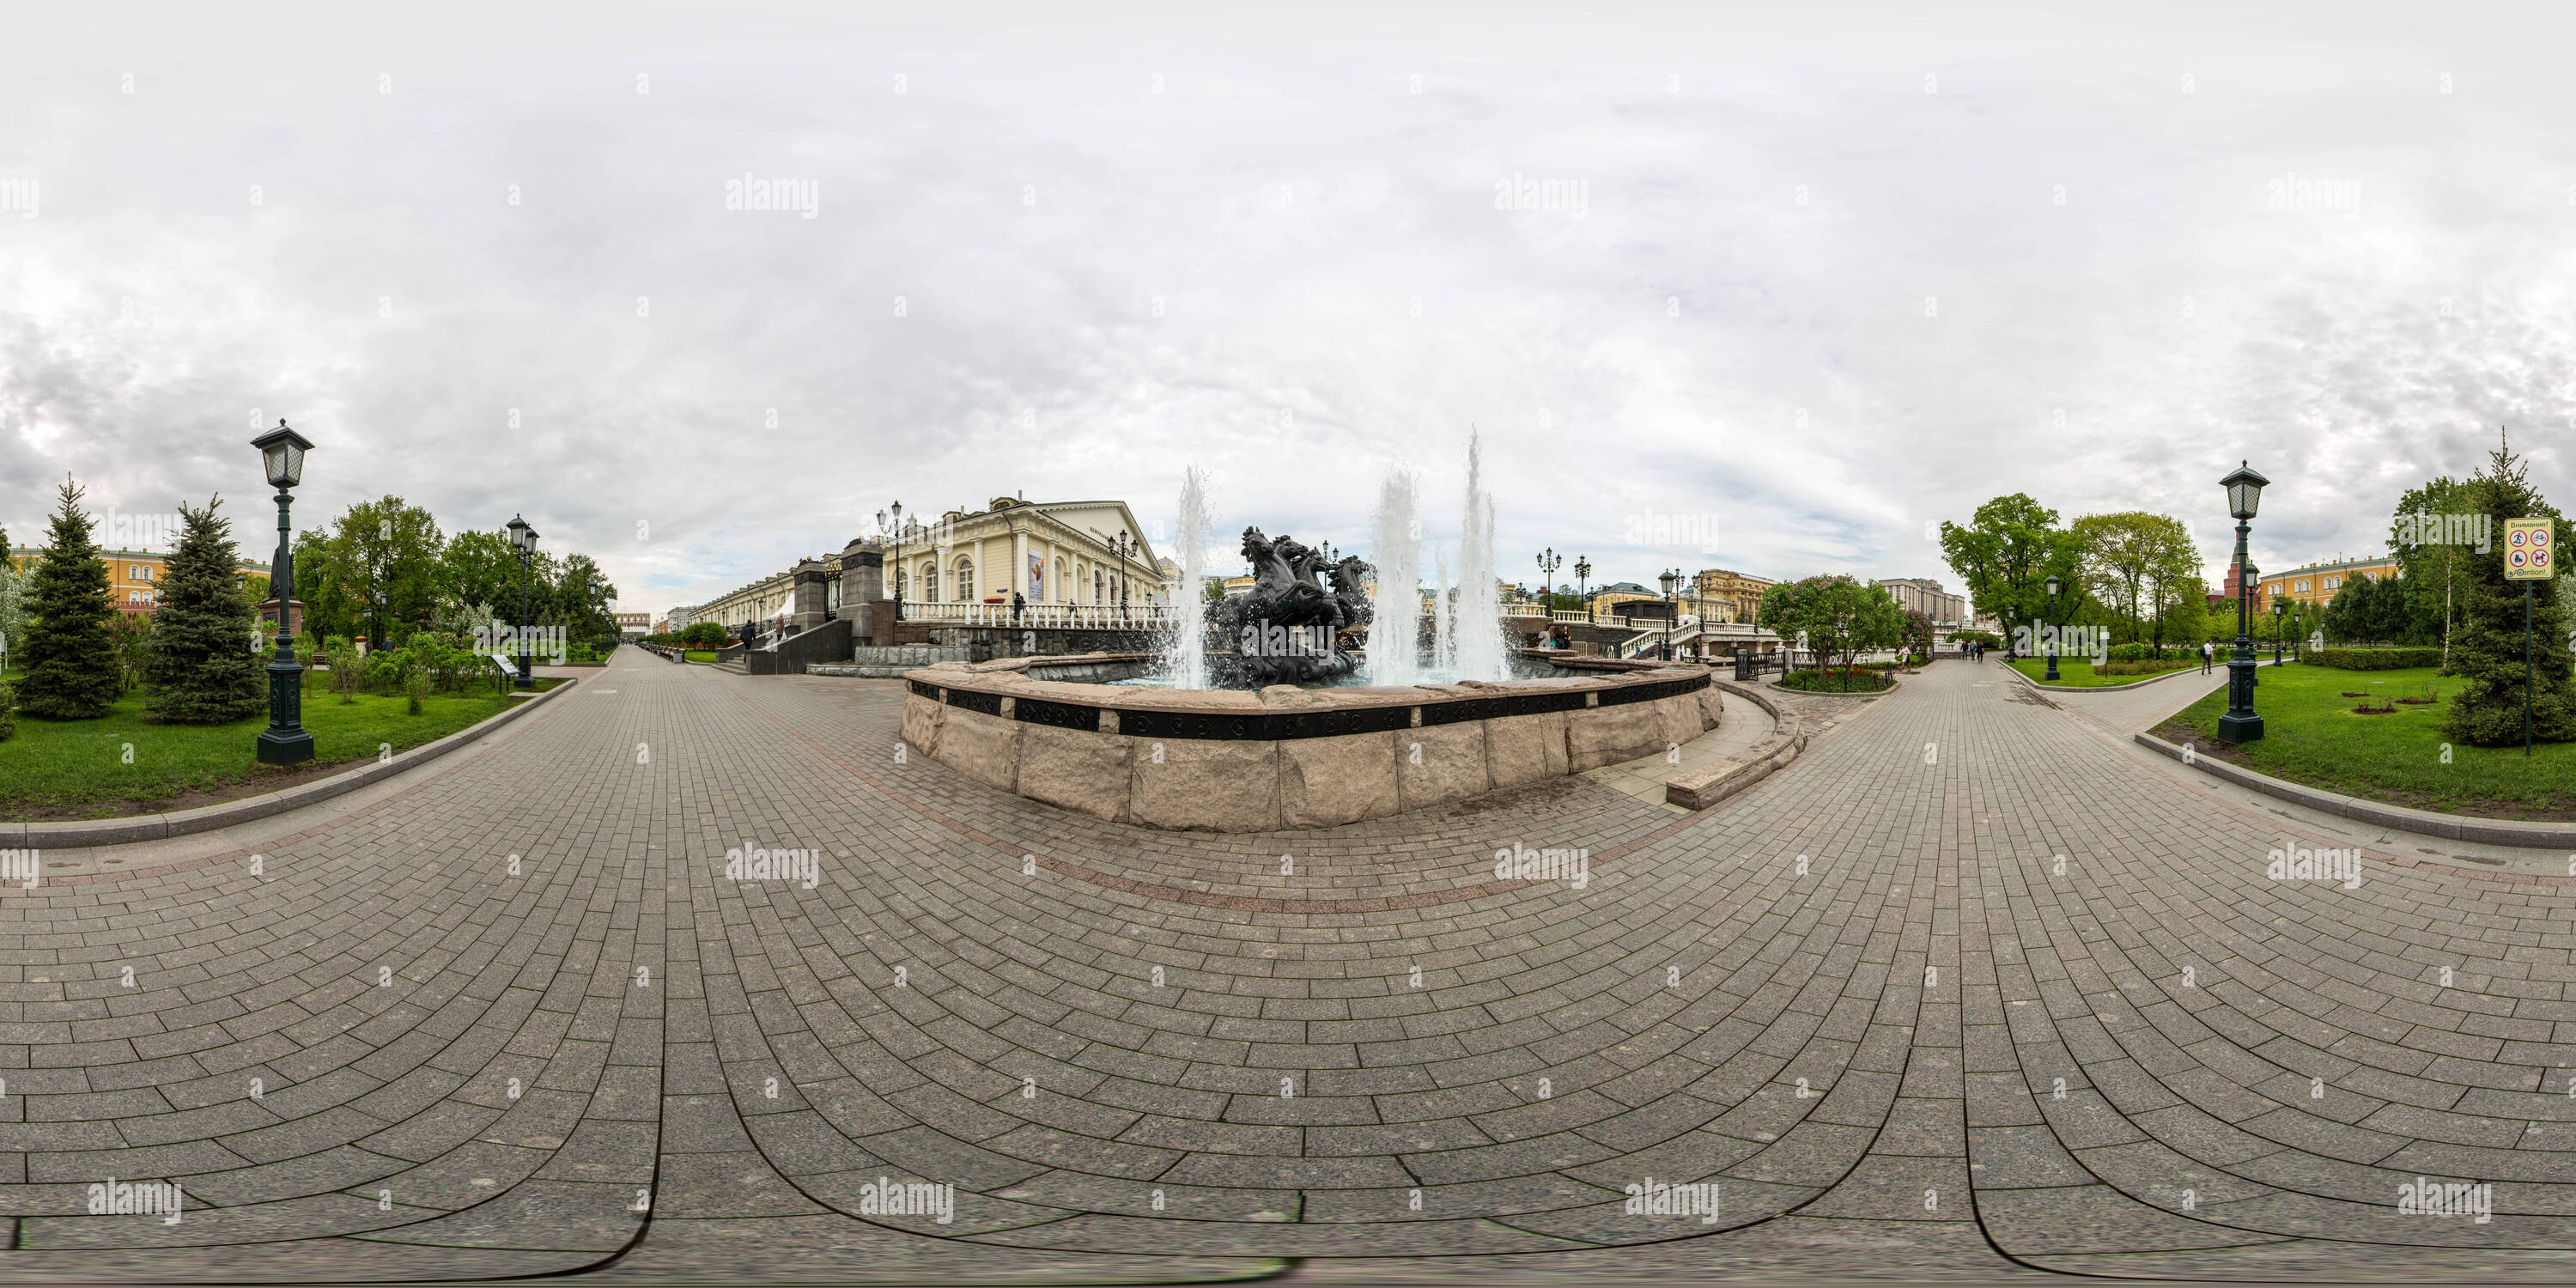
x=285, y=746
x=2233, y=728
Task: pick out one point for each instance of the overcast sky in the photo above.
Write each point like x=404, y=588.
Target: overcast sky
x=1820, y=287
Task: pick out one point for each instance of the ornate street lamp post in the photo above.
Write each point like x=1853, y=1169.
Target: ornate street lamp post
x=1548, y=562
x=892, y=533
x=2052, y=625
x=284, y=742
x=524, y=538
x=1583, y=584
x=1670, y=577
x=2240, y=724
x=2280, y=622
x=1125, y=546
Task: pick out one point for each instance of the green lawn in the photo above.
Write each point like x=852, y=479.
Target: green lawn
x=700, y=655
x=81, y=766
x=2311, y=736
x=2081, y=675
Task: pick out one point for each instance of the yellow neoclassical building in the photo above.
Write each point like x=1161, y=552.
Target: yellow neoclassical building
x=2318, y=583
x=133, y=576
x=1049, y=552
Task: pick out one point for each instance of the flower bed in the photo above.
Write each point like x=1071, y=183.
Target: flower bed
x=1858, y=679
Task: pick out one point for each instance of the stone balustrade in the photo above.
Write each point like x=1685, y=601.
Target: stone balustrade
x=1285, y=757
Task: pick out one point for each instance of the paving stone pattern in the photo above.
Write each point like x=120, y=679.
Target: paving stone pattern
x=1148, y=1056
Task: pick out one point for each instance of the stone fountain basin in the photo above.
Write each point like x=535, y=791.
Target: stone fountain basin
x=1283, y=757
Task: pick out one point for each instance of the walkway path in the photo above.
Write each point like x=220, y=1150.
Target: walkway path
x=1967, y=989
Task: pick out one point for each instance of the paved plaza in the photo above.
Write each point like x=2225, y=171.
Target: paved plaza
x=1972, y=991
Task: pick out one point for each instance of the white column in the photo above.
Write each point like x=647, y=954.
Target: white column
x=1020, y=563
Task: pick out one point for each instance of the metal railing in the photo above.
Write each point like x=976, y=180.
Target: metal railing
x=1043, y=616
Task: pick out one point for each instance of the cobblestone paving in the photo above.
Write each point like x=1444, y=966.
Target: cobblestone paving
x=1960, y=994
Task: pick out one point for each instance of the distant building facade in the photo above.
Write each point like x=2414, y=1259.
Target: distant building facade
x=1924, y=595
x=2314, y=583
x=1048, y=552
x=1742, y=591
x=133, y=576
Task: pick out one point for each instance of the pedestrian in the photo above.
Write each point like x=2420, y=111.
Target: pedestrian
x=2207, y=654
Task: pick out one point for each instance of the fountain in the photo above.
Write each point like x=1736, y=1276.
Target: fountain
x=1184, y=655
x=1395, y=632
x=1260, y=714
x=1477, y=634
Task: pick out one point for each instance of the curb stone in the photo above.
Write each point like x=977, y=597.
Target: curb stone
x=2493, y=831
x=1714, y=783
x=2093, y=688
x=83, y=833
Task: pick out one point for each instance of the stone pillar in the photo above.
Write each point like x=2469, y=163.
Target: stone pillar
x=1020, y=567
x=805, y=610
x=862, y=584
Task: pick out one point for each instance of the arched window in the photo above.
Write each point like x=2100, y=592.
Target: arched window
x=1058, y=585
x=929, y=582
x=1099, y=588
x=965, y=575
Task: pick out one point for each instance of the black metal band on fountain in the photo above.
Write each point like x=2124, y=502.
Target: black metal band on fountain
x=1288, y=629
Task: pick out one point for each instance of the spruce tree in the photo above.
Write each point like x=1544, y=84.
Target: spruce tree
x=201, y=669
x=2487, y=646
x=70, y=655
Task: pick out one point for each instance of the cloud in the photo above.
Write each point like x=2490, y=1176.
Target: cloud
x=1803, y=294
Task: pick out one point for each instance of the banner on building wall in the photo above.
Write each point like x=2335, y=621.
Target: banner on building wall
x=1037, y=580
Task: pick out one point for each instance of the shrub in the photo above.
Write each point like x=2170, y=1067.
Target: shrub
x=1857, y=679
x=345, y=667
x=8, y=704
x=414, y=688
x=2375, y=659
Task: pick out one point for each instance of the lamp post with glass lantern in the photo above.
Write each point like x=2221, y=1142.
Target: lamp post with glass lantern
x=1548, y=562
x=2240, y=724
x=1670, y=577
x=891, y=532
x=1583, y=584
x=2280, y=623
x=285, y=741
x=2052, y=627
x=524, y=539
